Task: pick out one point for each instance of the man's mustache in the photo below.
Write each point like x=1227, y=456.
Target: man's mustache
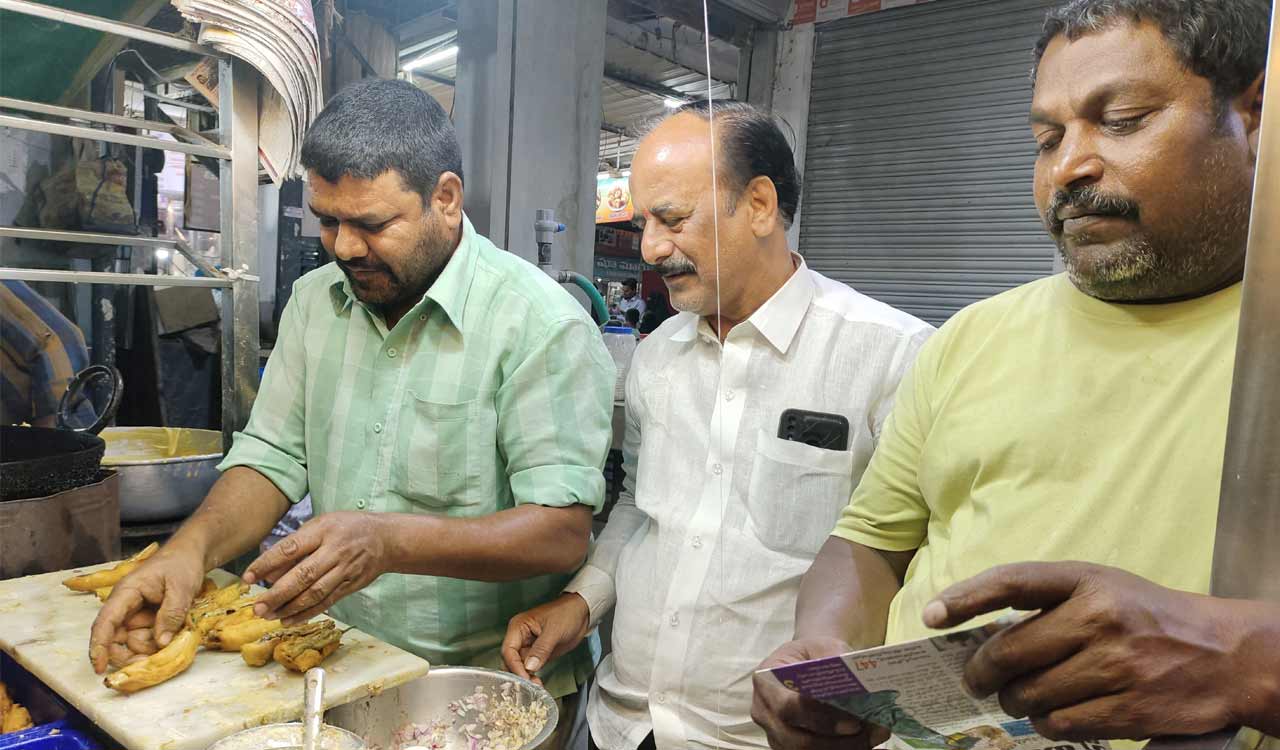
x=1087, y=200
x=673, y=266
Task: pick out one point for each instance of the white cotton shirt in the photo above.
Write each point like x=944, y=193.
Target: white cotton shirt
x=635, y=303
x=719, y=518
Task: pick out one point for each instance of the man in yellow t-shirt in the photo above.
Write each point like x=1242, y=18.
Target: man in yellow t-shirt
x=1080, y=417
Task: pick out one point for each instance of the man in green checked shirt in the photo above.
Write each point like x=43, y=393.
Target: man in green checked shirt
x=446, y=404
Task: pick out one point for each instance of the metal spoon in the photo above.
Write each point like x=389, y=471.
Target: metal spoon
x=312, y=708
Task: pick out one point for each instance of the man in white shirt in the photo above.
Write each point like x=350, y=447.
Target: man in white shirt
x=630, y=297
x=720, y=516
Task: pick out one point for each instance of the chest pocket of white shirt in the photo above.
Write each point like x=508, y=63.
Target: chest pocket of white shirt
x=797, y=492
x=434, y=467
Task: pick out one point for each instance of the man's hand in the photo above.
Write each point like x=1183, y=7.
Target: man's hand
x=134, y=640
x=544, y=634
x=169, y=580
x=331, y=556
x=1110, y=656
x=795, y=722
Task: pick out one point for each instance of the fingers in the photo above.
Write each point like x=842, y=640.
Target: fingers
x=546, y=646
x=123, y=603
x=1021, y=650
x=143, y=618
x=141, y=642
x=520, y=635
x=1024, y=586
x=308, y=573
x=791, y=713
x=1106, y=718
x=312, y=595
x=342, y=589
x=284, y=555
x=1087, y=675
x=172, y=615
x=120, y=656
x=816, y=717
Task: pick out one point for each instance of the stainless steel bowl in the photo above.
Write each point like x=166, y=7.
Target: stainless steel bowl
x=165, y=472
x=287, y=737
x=428, y=699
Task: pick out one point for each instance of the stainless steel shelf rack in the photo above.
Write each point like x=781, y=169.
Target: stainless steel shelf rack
x=237, y=153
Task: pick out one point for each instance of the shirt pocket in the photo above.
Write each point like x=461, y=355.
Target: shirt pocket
x=434, y=467
x=796, y=493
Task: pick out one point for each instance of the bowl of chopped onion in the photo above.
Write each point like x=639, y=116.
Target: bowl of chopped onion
x=470, y=708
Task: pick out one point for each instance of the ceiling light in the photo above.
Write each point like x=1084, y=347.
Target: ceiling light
x=162, y=255
x=670, y=103
x=433, y=57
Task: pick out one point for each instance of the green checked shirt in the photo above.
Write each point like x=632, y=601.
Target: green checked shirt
x=494, y=391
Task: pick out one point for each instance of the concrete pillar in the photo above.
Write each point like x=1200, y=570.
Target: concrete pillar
x=792, y=81
x=757, y=66
x=528, y=119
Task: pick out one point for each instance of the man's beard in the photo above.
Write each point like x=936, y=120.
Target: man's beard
x=680, y=265
x=1150, y=265
x=403, y=284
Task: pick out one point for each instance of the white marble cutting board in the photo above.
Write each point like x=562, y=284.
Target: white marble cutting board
x=45, y=627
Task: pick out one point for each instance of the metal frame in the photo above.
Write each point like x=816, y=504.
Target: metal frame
x=238, y=184
x=98, y=23
x=177, y=102
x=103, y=118
x=84, y=238
x=128, y=139
x=237, y=155
x=108, y=277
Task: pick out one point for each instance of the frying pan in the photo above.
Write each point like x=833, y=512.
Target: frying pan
x=42, y=461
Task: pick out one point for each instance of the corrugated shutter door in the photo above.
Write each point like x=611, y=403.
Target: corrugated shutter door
x=919, y=158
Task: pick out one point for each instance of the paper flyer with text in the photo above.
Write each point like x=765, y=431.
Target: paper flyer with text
x=915, y=691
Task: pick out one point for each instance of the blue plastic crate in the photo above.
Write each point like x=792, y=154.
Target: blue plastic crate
x=56, y=735
x=58, y=725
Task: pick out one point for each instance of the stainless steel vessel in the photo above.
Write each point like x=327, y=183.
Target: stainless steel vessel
x=403, y=718
x=165, y=472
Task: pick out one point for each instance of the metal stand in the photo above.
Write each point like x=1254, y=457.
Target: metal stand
x=237, y=155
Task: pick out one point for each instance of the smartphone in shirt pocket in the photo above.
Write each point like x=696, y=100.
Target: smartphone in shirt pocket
x=800, y=481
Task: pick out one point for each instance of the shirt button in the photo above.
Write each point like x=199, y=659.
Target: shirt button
x=675, y=619
x=662, y=697
x=377, y=427
x=697, y=542
x=361, y=503
x=728, y=396
x=422, y=317
x=391, y=352
x=717, y=469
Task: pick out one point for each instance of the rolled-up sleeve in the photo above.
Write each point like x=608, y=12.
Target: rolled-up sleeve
x=595, y=581
x=274, y=441
x=555, y=418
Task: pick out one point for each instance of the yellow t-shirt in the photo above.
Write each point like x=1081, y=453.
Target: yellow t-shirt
x=1043, y=424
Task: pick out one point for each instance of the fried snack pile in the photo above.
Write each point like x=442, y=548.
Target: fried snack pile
x=219, y=619
x=13, y=717
x=223, y=620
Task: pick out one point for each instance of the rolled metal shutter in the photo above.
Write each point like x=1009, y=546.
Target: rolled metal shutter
x=918, y=173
